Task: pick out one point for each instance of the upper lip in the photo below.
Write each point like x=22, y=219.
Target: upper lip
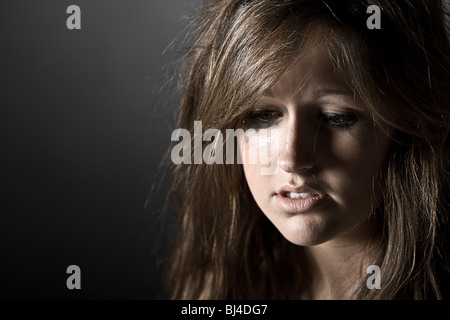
x=297, y=189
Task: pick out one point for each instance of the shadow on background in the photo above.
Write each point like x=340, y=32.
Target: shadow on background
x=83, y=128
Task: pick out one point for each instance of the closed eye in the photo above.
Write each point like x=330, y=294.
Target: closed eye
x=339, y=121
x=263, y=118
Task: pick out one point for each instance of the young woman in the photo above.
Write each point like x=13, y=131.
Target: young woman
x=361, y=163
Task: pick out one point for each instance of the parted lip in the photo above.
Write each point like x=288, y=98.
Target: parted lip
x=300, y=205
x=297, y=189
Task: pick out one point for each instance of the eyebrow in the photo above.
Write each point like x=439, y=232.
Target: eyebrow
x=319, y=93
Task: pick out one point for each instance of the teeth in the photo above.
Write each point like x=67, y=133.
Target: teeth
x=303, y=195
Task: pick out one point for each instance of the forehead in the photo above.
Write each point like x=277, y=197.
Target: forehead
x=311, y=70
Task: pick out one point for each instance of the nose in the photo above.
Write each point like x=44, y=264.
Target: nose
x=297, y=154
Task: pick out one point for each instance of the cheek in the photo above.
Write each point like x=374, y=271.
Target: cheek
x=259, y=152
x=257, y=184
x=258, y=173
x=356, y=164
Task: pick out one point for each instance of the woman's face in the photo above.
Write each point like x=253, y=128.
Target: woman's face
x=324, y=160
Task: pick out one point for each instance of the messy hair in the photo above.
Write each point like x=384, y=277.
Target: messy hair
x=225, y=248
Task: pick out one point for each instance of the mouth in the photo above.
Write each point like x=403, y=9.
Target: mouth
x=302, y=195
x=300, y=199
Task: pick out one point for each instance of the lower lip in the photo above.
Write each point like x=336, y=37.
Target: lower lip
x=301, y=205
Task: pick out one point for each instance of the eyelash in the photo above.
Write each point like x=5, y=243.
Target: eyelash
x=260, y=119
x=340, y=121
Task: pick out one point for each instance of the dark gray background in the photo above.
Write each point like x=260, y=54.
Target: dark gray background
x=83, y=128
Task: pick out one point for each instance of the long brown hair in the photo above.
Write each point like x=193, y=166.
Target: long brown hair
x=225, y=248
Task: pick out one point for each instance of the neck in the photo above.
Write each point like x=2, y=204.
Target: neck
x=335, y=269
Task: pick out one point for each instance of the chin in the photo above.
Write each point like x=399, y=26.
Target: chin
x=301, y=241
x=304, y=236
